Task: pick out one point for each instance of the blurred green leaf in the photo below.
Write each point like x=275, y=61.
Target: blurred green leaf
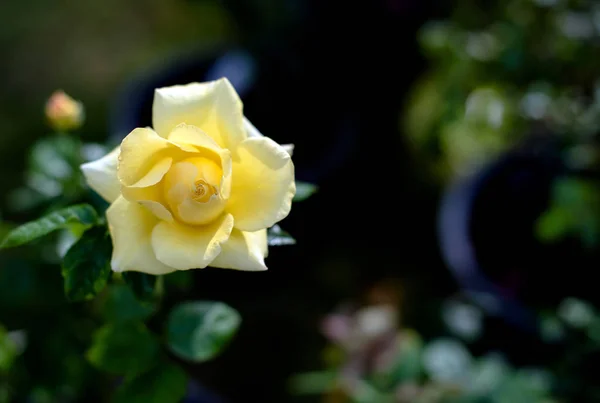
x=576, y=313
x=8, y=351
x=198, y=331
x=573, y=211
x=304, y=190
x=524, y=386
x=408, y=365
x=180, y=279
x=553, y=224
x=447, y=361
x=276, y=237
x=86, y=266
x=82, y=213
x=313, y=383
x=123, y=348
x=121, y=305
x=142, y=284
x=488, y=374
x=165, y=383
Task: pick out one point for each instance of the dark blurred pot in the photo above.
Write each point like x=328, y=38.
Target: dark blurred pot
x=486, y=232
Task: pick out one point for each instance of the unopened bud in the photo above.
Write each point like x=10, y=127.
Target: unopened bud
x=63, y=112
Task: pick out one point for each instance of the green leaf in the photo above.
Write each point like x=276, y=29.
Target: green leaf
x=553, y=224
x=8, y=351
x=81, y=213
x=122, y=306
x=142, y=284
x=123, y=348
x=165, y=383
x=313, y=383
x=276, y=236
x=304, y=190
x=408, y=363
x=198, y=331
x=86, y=266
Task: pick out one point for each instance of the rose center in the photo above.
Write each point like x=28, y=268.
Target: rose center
x=203, y=191
x=191, y=189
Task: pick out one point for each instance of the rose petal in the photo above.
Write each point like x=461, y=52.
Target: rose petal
x=214, y=107
x=192, y=135
x=190, y=247
x=139, y=154
x=101, y=175
x=130, y=228
x=262, y=185
x=243, y=251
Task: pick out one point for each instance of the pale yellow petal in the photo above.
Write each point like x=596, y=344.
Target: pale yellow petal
x=179, y=184
x=155, y=174
x=148, y=190
x=252, y=131
x=193, y=135
x=289, y=148
x=214, y=107
x=243, y=251
x=131, y=228
x=140, y=152
x=158, y=209
x=262, y=184
x=190, y=247
x=101, y=175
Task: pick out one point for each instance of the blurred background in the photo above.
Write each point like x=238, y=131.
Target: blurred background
x=450, y=251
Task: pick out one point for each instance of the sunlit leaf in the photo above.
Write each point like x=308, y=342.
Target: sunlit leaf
x=86, y=266
x=82, y=214
x=165, y=383
x=304, y=190
x=276, y=237
x=123, y=348
x=198, y=331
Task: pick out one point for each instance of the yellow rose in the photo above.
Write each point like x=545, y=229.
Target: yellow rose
x=199, y=190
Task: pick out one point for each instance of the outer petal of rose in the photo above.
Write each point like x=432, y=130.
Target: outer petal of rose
x=101, y=175
x=262, y=185
x=190, y=247
x=192, y=135
x=243, y=251
x=214, y=107
x=131, y=228
x=252, y=131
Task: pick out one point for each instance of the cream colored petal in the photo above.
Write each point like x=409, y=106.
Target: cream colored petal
x=214, y=107
x=131, y=230
x=190, y=247
x=155, y=174
x=101, y=175
x=243, y=251
x=140, y=152
x=158, y=209
x=193, y=135
x=251, y=130
x=148, y=191
x=289, y=148
x=262, y=185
